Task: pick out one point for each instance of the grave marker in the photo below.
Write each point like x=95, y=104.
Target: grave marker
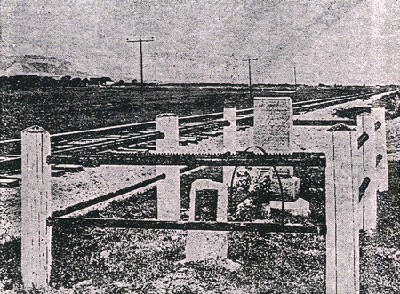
x=273, y=124
x=201, y=245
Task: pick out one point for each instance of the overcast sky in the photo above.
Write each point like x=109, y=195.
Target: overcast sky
x=348, y=42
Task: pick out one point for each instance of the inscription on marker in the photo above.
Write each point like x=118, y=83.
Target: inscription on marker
x=273, y=123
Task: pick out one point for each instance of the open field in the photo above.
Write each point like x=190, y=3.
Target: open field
x=94, y=260
x=69, y=109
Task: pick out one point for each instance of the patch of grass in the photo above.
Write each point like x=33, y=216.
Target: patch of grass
x=380, y=251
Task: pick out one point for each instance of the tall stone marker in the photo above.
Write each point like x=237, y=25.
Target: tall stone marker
x=35, y=208
x=273, y=124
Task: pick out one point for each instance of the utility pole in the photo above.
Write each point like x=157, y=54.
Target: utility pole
x=140, y=41
x=250, y=84
x=295, y=80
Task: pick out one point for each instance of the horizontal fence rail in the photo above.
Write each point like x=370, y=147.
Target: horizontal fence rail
x=304, y=122
x=186, y=225
x=103, y=198
x=223, y=159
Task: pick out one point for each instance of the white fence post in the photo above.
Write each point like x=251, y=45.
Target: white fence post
x=367, y=159
x=168, y=190
x=229, y=136
x=36, y=201
x=229, y=145
x=342, y=238
x=382, y=171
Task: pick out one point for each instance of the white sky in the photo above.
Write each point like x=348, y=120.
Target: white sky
x=347, y=42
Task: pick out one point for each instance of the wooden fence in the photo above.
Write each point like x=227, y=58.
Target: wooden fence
x=349, y=158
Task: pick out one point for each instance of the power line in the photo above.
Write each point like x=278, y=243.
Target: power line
x=140, y=41
x=250, y=82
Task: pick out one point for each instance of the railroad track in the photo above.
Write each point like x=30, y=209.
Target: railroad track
x=140, y=137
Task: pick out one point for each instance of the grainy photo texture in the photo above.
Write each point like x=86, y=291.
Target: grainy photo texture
x=199, y=146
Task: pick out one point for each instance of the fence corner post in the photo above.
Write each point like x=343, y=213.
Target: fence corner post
x=36, y=202
x=342, y=236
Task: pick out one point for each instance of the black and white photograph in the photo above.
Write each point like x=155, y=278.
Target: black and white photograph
x=199, y=146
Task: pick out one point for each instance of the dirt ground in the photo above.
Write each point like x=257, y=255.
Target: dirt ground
x=136, y=261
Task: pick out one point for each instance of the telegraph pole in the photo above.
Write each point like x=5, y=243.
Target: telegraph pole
x=140, y=41
x=295, y=76
x=250, y=84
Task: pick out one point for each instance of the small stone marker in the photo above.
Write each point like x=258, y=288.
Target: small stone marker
x=201, y=245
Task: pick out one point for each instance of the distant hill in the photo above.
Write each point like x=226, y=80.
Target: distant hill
x=36, y=65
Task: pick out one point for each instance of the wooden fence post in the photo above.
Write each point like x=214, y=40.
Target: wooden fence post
x=382, y=171
x=229, y=145
x=342, y=237
x=367, y=161
x=229, y=132
x=36, y=201
x=168, y=190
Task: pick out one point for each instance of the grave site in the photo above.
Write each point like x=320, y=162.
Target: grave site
x=266, y=202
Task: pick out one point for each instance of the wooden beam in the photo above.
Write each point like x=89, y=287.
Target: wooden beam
x=97, y=200
x=186, y=225
x=222, y=159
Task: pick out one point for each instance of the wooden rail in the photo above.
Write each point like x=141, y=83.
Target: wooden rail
x=261, y=227
x=222, y=159
x=103, y=198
